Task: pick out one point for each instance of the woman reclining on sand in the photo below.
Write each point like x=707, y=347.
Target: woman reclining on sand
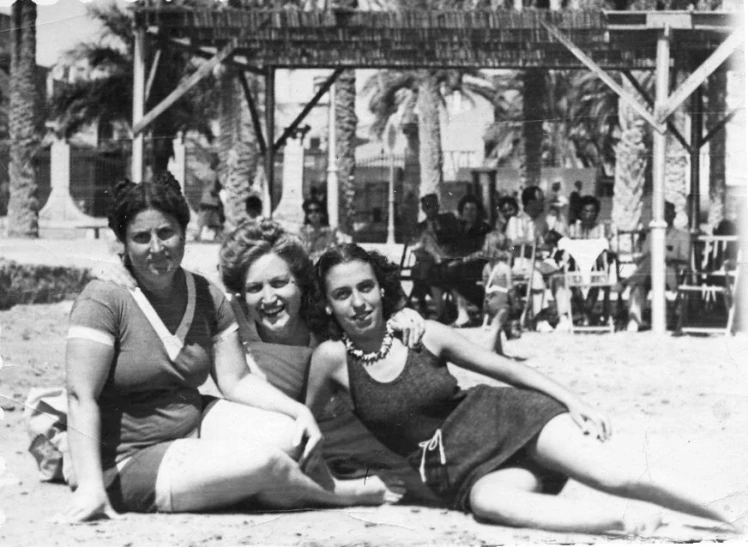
x=497, y=452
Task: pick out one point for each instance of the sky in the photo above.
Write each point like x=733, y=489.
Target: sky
x=59, y=26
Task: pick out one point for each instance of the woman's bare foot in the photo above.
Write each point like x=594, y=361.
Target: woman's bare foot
x=369, y=490
x=641, y=525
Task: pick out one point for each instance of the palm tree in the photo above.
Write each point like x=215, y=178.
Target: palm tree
x=238, y=150
x=716, y=108
x=23, y=206
x=346, y=122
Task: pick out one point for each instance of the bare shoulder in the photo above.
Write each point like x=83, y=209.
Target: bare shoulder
x=329, y=354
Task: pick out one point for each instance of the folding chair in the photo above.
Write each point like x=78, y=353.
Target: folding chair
x=706, y=297
x=407, y=261
x=524, y=251
x=587, y=265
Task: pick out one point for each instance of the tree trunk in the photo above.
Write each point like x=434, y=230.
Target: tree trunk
x=408, y=220
x=429, y=135
x=715, y=111
x=677, y=174
x=632, y=158
x=345, y=128
x=532, y=128
x=23, y=206
x=238, y=150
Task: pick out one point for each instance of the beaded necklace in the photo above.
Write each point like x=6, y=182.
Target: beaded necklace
x=369, y=358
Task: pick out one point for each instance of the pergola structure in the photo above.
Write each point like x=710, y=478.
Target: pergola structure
x=259, y=41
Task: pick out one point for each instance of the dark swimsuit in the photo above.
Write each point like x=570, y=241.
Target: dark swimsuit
x=452, y=437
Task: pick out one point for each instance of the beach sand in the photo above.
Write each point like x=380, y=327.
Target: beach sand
x=682, y=402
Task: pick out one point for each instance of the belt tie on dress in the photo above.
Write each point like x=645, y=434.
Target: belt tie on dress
x=432, y=444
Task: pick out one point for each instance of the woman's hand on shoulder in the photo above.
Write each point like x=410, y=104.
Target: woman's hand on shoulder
x=114, y=272
x=412, y=326
x=591, y=420
x=89, y=503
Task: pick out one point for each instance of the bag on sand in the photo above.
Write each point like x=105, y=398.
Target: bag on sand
x=46, y=418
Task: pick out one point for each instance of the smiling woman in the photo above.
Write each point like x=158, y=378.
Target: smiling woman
x=497, y=452
x=142, y=437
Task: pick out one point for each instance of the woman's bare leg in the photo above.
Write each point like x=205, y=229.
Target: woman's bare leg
x=512, y=497
x=232, y=422
x=561, y=446
x=198, y=475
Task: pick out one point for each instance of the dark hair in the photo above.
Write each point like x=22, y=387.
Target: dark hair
x=470, y=198
x=386, y=272
x=252, y=240
x=162, y=193
x=507, y=200
x=584, y=201
x=253, y=204
x=531, y=193
x=309, y=202
x=429, y=197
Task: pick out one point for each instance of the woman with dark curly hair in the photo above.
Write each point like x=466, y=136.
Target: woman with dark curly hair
x=494, y=451
x=142, y=438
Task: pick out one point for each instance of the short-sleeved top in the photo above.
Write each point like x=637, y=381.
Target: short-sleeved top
x=470, y=239
x=148, y=398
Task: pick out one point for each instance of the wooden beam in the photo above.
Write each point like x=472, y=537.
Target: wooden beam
x=186, y=85
x=643, y=92
x=206, y=54
x=699, y=76
x=719, y=125
x=311, y=104
x=152, y=74
x=253, y=112
x=270, y=128
x=604, y=76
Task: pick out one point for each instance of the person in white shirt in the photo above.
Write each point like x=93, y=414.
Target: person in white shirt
x=530, y=227
x=677, y=245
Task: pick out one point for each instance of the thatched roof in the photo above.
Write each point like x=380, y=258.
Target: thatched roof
x=477, y=39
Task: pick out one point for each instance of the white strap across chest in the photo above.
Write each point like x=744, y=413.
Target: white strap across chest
x=172, y=342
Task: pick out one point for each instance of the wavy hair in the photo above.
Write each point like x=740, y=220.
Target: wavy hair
x=386, y=272
x=162, y=193
x=253, y=240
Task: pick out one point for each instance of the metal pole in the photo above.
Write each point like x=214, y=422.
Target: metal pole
x=138, y=104
x=270, y=130
x=332, y=164
x=658, y=225
x=697, y=127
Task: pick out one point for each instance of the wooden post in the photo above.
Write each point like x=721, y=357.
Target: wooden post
x=391, y=201
x=658, y=225
x=332, y=164
x=270, y=131
x=697, y=127
x=138, y=104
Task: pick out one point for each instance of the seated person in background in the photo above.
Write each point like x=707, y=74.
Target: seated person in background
x=462, y=275
x=677, y=246
x=497, y=272
x=253, y=206
x=436, y=241
x=574, y=202
x=530, y=227
x=587, y=227
x=316, y=235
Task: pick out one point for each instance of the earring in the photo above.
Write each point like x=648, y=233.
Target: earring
x=328, y=310
x=381, y=293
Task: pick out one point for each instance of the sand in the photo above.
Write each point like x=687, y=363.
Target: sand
x=679, y=401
